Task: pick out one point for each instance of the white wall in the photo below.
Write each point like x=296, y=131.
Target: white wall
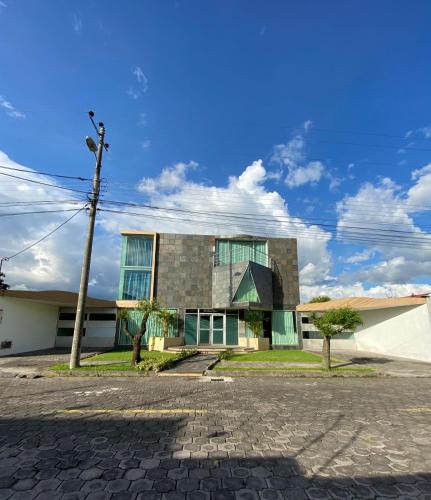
x=97, y=333
x=397, y=331
x=317, y=344
x=29, y=325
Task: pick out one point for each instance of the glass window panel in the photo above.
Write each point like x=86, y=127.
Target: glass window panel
x=218, y=322
x=136, y=285
x=247, y=290
x=139, y=251
x=241, y=251
x=204, y=322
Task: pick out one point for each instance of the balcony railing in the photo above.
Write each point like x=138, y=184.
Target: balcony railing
x=235, y=256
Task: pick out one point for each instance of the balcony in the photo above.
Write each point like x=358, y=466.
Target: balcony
x=242, y=285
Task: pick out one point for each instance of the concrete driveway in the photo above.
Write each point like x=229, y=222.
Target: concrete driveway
x=33, y=364
x=386, y=365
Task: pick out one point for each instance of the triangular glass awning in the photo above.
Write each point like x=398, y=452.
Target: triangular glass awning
x=246, y=291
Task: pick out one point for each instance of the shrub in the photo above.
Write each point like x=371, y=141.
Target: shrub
x=225, y=355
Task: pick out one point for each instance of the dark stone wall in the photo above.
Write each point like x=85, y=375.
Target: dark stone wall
x=183, y=277
x=284, y=255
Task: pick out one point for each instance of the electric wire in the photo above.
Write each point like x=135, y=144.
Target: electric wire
x=9, y=214
x=347, y=234
x=45, y=183
x=47, y=235
x=60, y=176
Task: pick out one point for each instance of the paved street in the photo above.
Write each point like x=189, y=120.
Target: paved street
x=178, y=438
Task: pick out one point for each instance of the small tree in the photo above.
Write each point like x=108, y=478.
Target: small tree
x=333, y=322
x=166, y=319
x=254, y=322
x=320, y=298
x=145, y=307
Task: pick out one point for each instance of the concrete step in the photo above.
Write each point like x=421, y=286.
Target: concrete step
x=210, y=349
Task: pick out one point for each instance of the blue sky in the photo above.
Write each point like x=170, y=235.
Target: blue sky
x=332, y=97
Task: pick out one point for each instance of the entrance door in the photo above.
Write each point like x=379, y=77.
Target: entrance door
x=204, y=328
x=217, y=329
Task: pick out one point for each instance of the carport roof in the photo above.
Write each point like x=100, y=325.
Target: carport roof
x=56, y=297
x=362, y=303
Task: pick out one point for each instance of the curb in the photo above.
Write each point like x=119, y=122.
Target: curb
x=288, y=374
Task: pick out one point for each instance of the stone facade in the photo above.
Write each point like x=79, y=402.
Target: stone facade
x=185, y=277
x=183, y=271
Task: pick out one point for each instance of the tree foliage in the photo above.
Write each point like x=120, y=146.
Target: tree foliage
x=320, y=298
x=145, y=308
x=166, y=319
x=336, y=321
x=331, y=323
x=254, y=322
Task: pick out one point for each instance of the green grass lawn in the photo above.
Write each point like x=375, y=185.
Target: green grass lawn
x=118, y=358
x=126, y=355
x=288, y=356
x=292, y=369
x=120, y=367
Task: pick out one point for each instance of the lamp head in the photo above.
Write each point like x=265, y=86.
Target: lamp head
x=91, y=144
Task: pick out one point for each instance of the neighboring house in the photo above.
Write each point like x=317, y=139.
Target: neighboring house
x=213, y=284
x=395, y=327
x=31, y=321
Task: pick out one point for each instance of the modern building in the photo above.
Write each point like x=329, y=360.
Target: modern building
x=398, y=326
x=214, y=284
x=32, y=321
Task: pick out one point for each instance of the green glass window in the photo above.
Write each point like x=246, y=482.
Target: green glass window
x=136, y=267
x=233, y=251
x=247, y=289
x=139, y=251
x=136, y=285
x=283, y=328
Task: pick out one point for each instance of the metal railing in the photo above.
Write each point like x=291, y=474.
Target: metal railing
x=233, y=256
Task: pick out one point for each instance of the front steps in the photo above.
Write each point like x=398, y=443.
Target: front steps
x=209, y=349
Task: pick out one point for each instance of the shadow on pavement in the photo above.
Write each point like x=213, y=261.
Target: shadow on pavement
x=120, y=455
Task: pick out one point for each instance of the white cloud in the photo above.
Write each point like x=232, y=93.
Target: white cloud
x=419, y=195
x=310, y=174
x=10, y=109
x=142, y=121
x=357, y=289
x=77, y=23
x=292, y=157
x=382, y=214
x=54, y=263
x=170, y=179
x=142, y=84
x=146, y=144
x=359, y=257
x=132, y=94
x=424, y=132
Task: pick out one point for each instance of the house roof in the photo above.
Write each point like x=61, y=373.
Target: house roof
x=56, y=297
x=362, y=303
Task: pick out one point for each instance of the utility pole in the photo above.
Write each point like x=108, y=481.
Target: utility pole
x=75, y=352
x=3, y=285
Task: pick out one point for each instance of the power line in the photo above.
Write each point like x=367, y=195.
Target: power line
x=36, y=212
x=46, y=173
x=255, y=217
x=44, y=183
x=352, y=234
x=47, y=235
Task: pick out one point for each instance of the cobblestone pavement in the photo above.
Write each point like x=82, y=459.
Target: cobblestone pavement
x=177, y=438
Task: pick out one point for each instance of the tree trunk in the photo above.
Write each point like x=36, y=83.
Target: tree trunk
x=136, y=356
x=326, y=353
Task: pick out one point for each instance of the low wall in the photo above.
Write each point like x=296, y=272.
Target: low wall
x=317, y=344
x=163, y=343
x=258, y=344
